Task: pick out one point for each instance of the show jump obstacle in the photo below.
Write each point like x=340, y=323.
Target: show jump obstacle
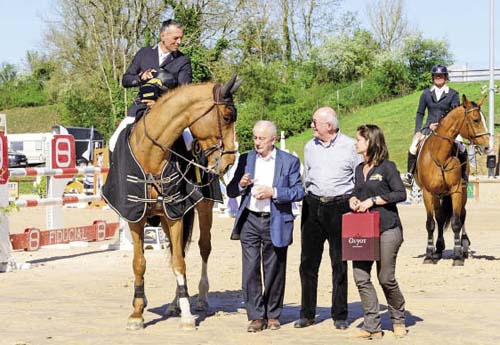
x=59, y=171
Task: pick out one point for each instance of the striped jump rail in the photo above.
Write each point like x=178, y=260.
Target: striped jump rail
x=70, y=199
x=17, y=172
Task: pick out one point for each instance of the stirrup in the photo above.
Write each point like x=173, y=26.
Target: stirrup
x=408, y=180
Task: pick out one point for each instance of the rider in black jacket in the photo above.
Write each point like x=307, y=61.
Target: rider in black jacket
x=161, y=61
x=438, y=100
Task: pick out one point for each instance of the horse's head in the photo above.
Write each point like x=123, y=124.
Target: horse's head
x=474, y=127
x=215, y=130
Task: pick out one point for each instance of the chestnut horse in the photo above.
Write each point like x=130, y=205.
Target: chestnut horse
x=439, y=175
x=208, y=111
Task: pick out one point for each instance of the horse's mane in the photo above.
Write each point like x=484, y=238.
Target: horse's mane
x=449, y=111
x=172, y=93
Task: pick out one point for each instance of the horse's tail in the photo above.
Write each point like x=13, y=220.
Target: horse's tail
x=447, y=208
x=187, y=229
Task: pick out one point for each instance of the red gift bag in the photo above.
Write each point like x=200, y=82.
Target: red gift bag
x=361, y=236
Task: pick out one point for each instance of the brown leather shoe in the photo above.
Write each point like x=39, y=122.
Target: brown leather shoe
x=256, y=326
x=399, y=330
x=273, y=324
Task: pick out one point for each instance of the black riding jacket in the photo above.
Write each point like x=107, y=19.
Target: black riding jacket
x=435, y=109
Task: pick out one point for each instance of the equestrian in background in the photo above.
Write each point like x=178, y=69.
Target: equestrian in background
x=438, y=100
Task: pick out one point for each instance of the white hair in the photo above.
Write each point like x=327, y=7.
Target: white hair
x=267, y=125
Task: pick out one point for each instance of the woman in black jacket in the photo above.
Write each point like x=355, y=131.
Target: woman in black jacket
x=437, y=100
x=378, y=187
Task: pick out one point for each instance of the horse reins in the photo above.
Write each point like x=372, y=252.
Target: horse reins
x=443, y=167
x=219, y=146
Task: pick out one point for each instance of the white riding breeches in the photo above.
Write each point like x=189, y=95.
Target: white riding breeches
x=417, y=138
x=126, y=121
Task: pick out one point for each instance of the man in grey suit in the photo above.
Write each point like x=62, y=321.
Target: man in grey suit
x=268, y=181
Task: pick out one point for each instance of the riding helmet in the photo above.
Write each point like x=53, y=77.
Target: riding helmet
x=439, y=69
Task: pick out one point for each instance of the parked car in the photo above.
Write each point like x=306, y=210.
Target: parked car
x=17, y=159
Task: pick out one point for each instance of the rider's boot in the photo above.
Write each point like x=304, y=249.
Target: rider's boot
x=412, y=162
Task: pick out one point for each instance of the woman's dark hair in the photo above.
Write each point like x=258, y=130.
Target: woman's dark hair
x=377, y=149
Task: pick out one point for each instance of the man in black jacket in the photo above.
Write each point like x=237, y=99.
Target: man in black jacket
x=165, y=57
x=438, y=100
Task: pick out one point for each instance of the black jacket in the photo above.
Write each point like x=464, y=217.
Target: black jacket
x=435, y=109
x=384, y=181
x=176, y=63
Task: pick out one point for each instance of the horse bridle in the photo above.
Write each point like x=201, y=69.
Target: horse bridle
x=219, y=146
x=467, y=123
x=443, y=166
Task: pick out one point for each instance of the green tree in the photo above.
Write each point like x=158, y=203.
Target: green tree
x=420, y=54
x=348, y=57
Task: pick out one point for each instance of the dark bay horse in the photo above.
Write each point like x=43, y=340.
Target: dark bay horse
x=439, y=175
x=208, y=111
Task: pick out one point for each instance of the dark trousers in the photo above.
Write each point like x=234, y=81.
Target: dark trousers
x=259, y=253
x=320, y=222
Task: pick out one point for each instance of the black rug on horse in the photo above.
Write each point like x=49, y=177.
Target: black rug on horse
x=125, y=190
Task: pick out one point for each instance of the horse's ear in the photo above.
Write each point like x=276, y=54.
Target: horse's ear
x=236, y=86
x=225, y=90
x=465, y=102
x=480, y=103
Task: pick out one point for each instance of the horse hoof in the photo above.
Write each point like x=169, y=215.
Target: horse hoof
x=201, y=306
x=436, y=257
x=458, y=262
x=188, y=324
x=465, y=246
x=135, y=324
x=429, y=261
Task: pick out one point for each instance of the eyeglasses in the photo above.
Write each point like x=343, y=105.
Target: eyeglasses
x=316, y=123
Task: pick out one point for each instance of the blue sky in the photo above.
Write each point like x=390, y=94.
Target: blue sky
x=464, y=23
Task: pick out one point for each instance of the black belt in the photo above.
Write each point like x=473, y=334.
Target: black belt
x=260, y=214
x=327, y=199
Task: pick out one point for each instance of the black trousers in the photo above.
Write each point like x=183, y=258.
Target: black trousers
x=322, y=221
x=260, y=253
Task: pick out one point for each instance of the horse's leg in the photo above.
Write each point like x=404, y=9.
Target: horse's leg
x=456, y=225
x=440, y=219
x=204, y=209
x=179, y=268
x=430, y=225
x=464, y=238
x=139, y=302
x=173, y=308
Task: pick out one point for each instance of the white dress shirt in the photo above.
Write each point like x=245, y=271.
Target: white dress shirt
x=161, y=56
x=439, y=91
x=264, y=176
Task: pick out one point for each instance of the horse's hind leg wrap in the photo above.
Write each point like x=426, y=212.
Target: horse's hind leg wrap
x=139, y=293
x=182, y=291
